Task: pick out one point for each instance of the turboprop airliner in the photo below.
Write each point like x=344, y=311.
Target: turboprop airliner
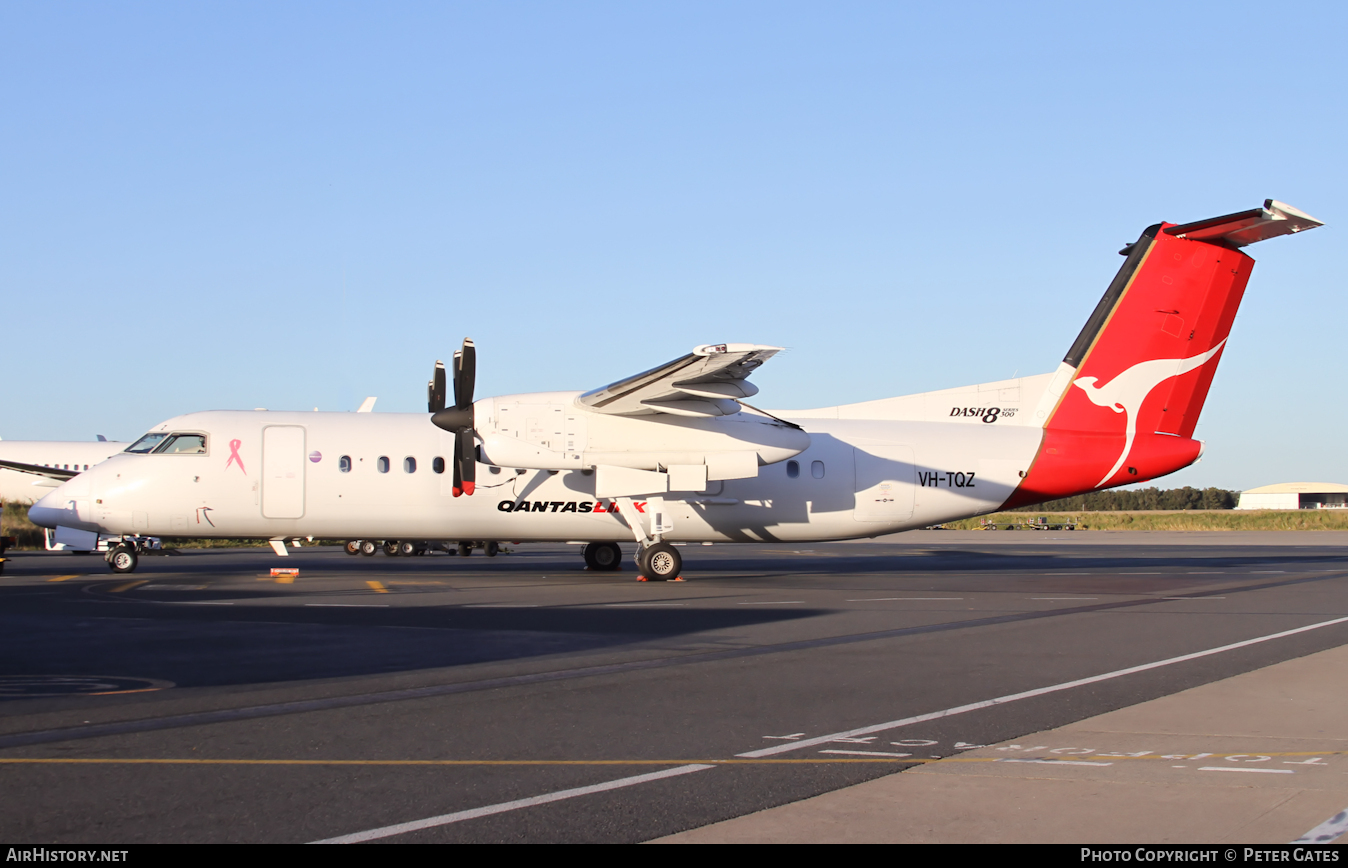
x=676, y=454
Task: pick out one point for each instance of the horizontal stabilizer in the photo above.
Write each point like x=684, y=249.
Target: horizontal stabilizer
x=1247, y=227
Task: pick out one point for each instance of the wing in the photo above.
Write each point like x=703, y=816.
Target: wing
x=706, y=382
x=39, y=470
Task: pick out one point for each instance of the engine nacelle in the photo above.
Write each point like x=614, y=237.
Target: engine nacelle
x=549, y=431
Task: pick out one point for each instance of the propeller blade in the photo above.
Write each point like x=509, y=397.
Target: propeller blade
x=466, y=468
x=456, y=371
x=435, y=398
x=466, y=375
x=458, y=480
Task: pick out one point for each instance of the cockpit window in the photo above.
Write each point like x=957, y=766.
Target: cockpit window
x=146, y=443
x=183, y=444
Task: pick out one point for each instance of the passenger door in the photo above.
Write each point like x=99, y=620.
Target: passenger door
x=283, y=471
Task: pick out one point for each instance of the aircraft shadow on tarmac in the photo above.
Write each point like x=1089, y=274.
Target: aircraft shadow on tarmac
x=202, y=645
x=152, y=633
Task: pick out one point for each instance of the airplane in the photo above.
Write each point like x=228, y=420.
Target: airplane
x=676, y=454
x=30, y=468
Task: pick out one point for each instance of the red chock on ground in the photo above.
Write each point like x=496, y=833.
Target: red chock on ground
x=284, y=571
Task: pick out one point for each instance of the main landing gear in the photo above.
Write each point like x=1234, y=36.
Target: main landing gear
x=410, y=548
x=660, y=562
x=656, y=562
x=603, y=557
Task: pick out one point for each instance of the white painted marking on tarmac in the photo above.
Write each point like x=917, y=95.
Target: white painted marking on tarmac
x=793, y=736
x=1052, y=762
x=866, y=753
x=641, y=605
x=202, y=603
x=501, y=606
x=1193, y=598
x=889, y=599
x=1039, y=691
x=771, y=603
x=1064, y=598
x=350, y=605
x=1257, y=771
x=503, y=807
x=1328, y=831
x=1268, y=571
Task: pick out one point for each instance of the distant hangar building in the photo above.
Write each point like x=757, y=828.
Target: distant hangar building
x=1296, y=495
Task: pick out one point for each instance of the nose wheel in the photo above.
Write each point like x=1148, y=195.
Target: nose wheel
x=660, y=562
x=122, y=559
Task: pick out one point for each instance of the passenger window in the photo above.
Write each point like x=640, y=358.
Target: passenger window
x=344, y=464
x=793, y=469
x=438, y=464
x=383, y=464
x=409, y=465
x=817, y=469
x=183, y=444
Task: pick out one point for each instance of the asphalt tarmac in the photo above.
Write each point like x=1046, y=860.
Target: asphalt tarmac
x=522, y=698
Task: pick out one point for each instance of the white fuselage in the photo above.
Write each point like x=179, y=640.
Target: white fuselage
x=863, y=470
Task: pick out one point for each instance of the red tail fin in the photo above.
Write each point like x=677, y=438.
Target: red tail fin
x=1127, y=397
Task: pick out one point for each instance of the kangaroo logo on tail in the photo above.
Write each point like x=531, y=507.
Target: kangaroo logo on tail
x=1126, y=392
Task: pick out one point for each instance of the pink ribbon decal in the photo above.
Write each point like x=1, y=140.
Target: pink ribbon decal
x=234, y=455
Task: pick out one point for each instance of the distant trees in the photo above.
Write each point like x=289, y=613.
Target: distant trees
x=1142, y=498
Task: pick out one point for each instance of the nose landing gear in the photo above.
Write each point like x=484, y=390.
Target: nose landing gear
x=123, y=559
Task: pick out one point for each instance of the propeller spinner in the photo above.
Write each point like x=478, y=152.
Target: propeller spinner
x=459, y=418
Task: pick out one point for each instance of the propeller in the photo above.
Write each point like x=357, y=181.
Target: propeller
x=459, y=418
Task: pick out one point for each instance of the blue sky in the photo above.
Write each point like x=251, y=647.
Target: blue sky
x=289, y=205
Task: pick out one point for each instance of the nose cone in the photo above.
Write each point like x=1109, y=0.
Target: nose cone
x=48, y=511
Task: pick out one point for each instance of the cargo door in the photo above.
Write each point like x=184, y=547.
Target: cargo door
x=283, y=471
